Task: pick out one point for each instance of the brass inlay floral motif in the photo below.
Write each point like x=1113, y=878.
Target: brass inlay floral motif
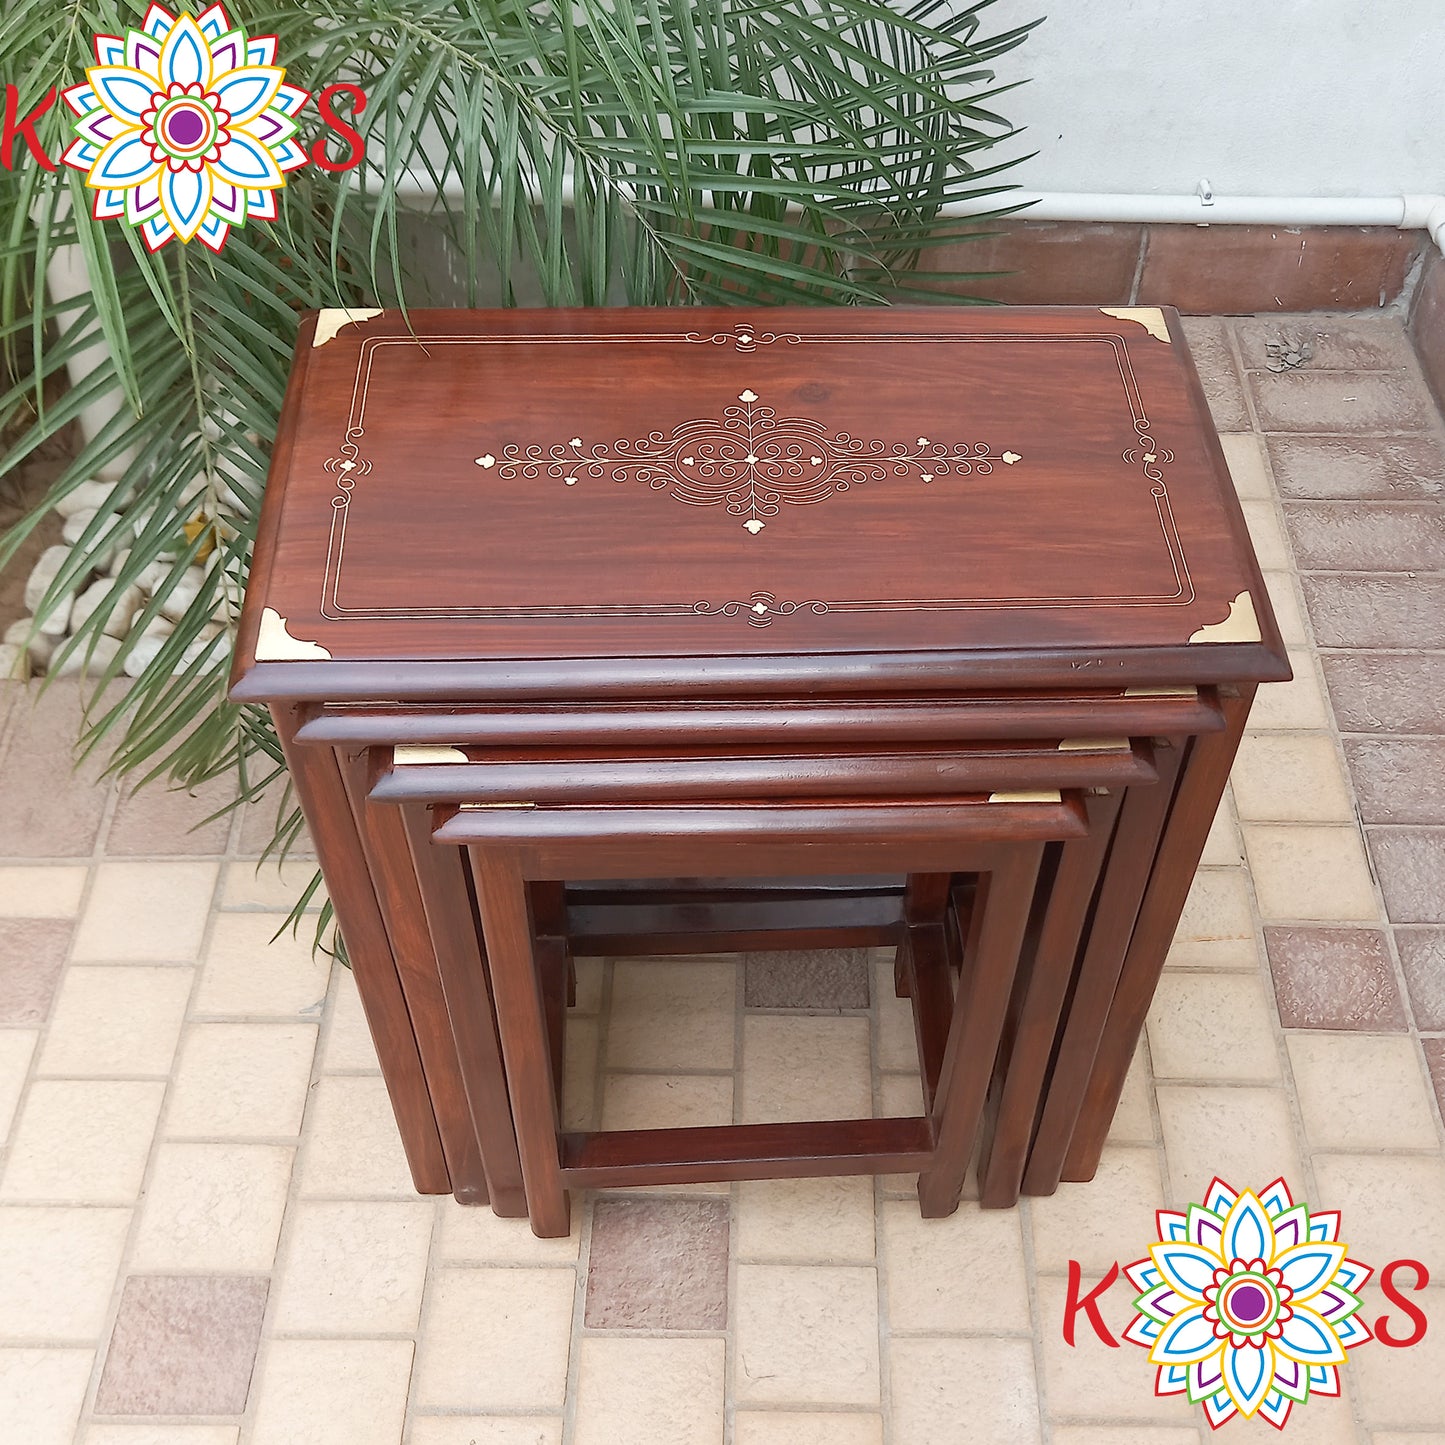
x=1239, y=624
x=751, y=461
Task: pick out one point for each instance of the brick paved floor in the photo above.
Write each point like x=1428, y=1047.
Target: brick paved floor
x=207, y=1234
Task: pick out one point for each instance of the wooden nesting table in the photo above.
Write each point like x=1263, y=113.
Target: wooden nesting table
x=583, y=564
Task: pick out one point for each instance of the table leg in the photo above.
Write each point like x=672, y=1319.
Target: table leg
x=1142, y=817
x=1001, y=915
x=317, y=780
x=383, y=841
x=522, y=1027
x=1196, y=801
x=1041, y=991
x=441, y=879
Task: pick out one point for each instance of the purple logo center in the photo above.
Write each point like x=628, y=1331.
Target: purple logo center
x=1247, y=1303
x=184, y=127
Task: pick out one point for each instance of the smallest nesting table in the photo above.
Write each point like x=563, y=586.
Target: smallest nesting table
x=709, y=531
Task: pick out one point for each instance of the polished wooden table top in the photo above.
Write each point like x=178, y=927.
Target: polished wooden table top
x=732, y=502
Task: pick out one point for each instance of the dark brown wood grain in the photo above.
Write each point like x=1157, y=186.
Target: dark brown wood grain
x=625, y=501
x=1201, y=783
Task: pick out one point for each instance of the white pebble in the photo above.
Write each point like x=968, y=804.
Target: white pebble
x=88, y=660
x=47, y=567
x=201, y=647
x=183, y=594
x=142, y=654
x=158, y=627
x=87, y=497
x=117, y=624
x=14, y=662
x=39, y=646
x=76, y=523
x=149, y=578
x=57, y=620
x=117, y=563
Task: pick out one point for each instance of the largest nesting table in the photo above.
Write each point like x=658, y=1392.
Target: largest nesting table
x=526, y=538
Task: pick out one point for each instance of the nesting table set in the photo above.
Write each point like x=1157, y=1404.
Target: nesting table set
x=689, y=631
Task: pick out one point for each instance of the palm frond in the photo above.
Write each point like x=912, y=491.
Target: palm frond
x=560, y=152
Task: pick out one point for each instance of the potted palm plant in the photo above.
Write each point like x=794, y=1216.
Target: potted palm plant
x=565, y=152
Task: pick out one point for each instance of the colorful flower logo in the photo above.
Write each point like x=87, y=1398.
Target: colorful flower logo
x=185, y=127
x=1247, y=1303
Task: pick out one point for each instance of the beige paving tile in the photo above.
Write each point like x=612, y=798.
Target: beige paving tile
x=268, y=886
x=1248, y=468
x=183, y=1345
x=805, y=1068
x=1245, y=1136
x=472, y=1234
x=1133, y=1121
x=238, y=1081
x=1309, y=871
x=590, y=974
x=1293, y=777
x=657, y=1101
x=116, y=1021
x=581, y=1040
x=649, y=1391
x=213, y=1207
x=1327, y=1421
x=671, y=1014
x=1223, y=848
x=1297, y=704
x=1362, y=1091
x=81, y=1141
x=57, y=1270
x=1216, y=929
x=1212, y=1026
x=1398, y=1389
x=41, y=1393
x=352, y=1148
x=897, y=1047
x=332, y=1392
x=965, y=1272
x=495, y=1339
x=16, y=1047
x=245, y=972
x=806, y=1335
x=1123, y=1435
x=348, y=1047
x=793, y=1427
x=900, y=1096
x=1289, y=613
x=486, y=1430
x=1271, y=546
x=42, y=890
x=162, y=1435
x=353, y=1269
x=1106, y=1221
x=145, y=913
x=825, y=1221
x=938, y=1385
x=1379, y=1197
x=1410, y=1437
x=1089, y=1381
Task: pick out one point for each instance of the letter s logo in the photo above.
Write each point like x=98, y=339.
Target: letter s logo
x=355, y=145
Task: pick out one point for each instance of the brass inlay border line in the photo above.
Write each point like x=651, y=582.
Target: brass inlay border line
x=761, y=607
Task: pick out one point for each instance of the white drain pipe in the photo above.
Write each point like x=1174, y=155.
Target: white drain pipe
x=66, y=273
x=1205, y=208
